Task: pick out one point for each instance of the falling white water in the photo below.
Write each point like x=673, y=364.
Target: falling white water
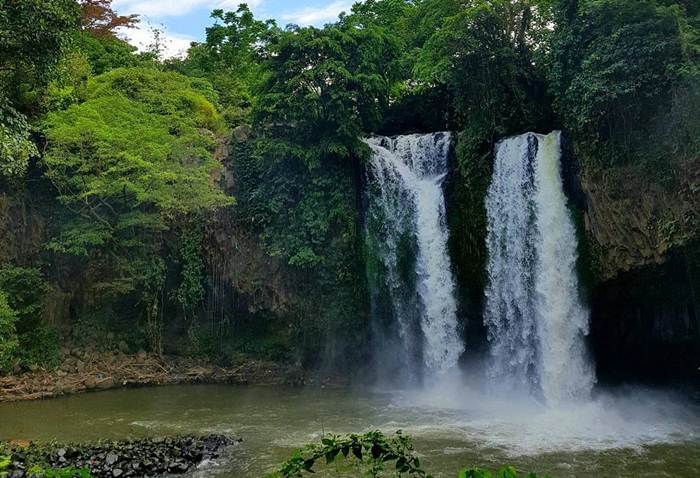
x=536, y=321
x=407, y=201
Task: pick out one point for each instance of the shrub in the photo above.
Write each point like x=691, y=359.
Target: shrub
x=8, y=335
x=505, y=472
x=375, y=451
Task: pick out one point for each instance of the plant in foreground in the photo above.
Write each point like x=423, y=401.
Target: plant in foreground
x=373, y=449
x=505, y=472
x=375, y=452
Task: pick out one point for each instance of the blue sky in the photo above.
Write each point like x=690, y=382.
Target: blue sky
x=185, y=20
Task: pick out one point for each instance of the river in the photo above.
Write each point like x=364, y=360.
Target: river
x=629, y=433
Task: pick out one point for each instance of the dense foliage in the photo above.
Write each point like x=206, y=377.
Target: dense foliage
x=33, y=35
x=613, y=97
x=121, y=152
x=8, y=334
x=131, y=160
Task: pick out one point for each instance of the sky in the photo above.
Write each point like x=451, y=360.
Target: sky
x=185, y=21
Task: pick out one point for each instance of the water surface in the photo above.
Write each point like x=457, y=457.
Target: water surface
x=631, y=434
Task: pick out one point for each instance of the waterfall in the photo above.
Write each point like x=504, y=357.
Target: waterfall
x=411, y=279
x=535, y=318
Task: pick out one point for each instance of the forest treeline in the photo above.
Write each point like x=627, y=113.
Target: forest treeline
x=111, y=159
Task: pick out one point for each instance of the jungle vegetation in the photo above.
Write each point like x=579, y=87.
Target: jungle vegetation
x=111, y=160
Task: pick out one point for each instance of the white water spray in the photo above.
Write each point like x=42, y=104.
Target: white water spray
x=407, y=200
x=535, y=318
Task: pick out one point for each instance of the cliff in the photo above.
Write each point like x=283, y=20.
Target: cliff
x=636, y=222
x=642, y=251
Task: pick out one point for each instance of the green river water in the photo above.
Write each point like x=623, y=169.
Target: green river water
x=630, y=434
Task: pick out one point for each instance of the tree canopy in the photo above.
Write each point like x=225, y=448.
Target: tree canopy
x=132, y=158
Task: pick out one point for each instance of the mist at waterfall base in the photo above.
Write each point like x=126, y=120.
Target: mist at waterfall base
x=534, y=393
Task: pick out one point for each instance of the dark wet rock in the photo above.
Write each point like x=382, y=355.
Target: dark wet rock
x=140, y=458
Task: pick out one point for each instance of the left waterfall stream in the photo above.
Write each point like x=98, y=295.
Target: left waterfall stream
x=415, y=326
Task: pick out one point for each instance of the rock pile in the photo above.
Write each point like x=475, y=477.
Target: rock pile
x=140, y=458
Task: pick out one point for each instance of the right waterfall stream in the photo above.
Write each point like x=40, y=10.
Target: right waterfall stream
x=535, y=317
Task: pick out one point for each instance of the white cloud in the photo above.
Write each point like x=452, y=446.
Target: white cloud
x=142, y=37
x=150, y=11
x=175, y=8
x=318, y=15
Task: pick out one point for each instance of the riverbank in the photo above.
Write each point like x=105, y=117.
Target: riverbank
x=82, y=371
x=148, y=457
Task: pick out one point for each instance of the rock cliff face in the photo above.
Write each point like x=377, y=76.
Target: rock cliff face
x=643, y=236
x=637, y=222
x=645, y=323
x=241, y=272
x=245, y=284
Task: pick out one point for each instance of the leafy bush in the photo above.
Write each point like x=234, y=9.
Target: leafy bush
x=375, y=451
x=68, y=472
x=505, y=472
x=39, y=471
x=15, y=145
x=25, y=288
x=8, y=335
x=39, y=347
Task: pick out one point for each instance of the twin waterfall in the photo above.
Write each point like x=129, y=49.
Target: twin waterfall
x=536, y=322
x=534, y=316
x=409, y=230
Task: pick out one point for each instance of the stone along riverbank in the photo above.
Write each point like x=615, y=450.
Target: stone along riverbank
x=139, y=458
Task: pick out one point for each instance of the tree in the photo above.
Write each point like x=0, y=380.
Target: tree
x=108, y=53
x=616, y=65
x=332, y=85
x=33, y=37
x=484, y=56
x=98, y=18
x=230, y=59
x=322, y=90
x=134, y=156
x=129, y=163
x=8, y=334
x=16, y=147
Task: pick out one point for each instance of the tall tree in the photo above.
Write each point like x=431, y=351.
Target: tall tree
x=230, y=59
x=33, y=37
x=484, y=55
x=128, y=162
x=99, y=18
x=616, y=64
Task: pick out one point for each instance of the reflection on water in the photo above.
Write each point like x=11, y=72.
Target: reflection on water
x=630, y=434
